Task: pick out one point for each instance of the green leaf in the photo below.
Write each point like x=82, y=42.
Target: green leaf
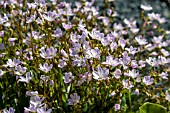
x=85, y=107
x=0, y=40
x=152, y=108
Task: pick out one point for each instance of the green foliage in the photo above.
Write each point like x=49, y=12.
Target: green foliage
x=152, y=108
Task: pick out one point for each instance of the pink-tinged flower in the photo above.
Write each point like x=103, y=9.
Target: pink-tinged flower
x=133, y=73
x=161, y=20
x=136, y=91
x=111, y=37
x=167, y=96
x=134, y=64
x=78, y=61
x=20, y=70
x=63, y=52
x=35, y=103
x=68, y=77
x=112, y=94
x=11, y=110
x=146, y=7
x=142, y=63
x=83, y=78
x=61, y=4
x=50, y=16
x=122, y=42
x=67, y=26
x=148, y=80
x=31, y=5
x=131, y=50
x=154, y=53
x=117, y=107
x=39, y=21
x=93, y=53
x=141, y=40
x=44, y=78
x=117, y=73
x=153, y=16
x=73, y=38
x=157, y=40
x=75, y=98
x=44, y=110
x=134, y=30
x=57, y=33
x=118, y=27
x=27, y=41
x=152, y=61
x=101, y=73
x=130, y=23
x=1, y=33
x=13, y=63
x=36, y=35
x=31, y=108
x=125, y=60
x=127, y=84
x=96, y=35
x=150, y=46
x=62, y=63
x=162, y=60
x=31, y=18
x=164, y=75
x=113, y=46
x=111, y=61
x=48, y=53
x=105, y=20
x=32, y=93
x=3, y=19
x=165, y=53
x=105, y=41
x=74, y=51
x=45, y=67
x=25, y=79
x=41, y=3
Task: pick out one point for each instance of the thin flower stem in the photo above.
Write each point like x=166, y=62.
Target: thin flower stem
x=130, y=104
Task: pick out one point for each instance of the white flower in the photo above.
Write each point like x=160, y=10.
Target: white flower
x=146, y=7
x=164, y=75
x=25, y=79
x=48, y=53
x=148, y=80
x=152, y=61
x=74, y=99
x=50, y=16
x=141, y=40
x=117, y=73
x=167, y=96
x=43, y=110
x=133, y=73
x=93, y=53
x=127, y=84
x=68, y=77
x=45, y=67
x=11, y=110
x=1, y=72
x=101, y=73
x=13, y=63
x=111, y=61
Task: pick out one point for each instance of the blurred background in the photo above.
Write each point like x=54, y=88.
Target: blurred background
x=131, y=8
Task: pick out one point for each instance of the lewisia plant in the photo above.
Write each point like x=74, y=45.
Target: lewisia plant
x=74, y=57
